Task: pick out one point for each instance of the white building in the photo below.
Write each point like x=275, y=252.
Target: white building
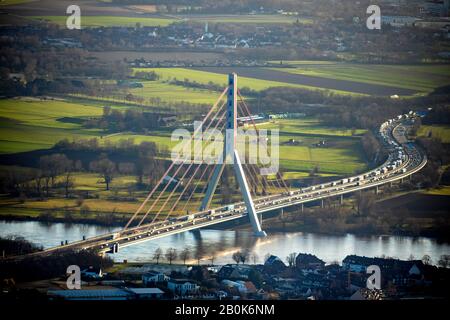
x=154, y=277
x=182, y=286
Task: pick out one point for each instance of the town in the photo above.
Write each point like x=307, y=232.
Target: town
x=303, y=276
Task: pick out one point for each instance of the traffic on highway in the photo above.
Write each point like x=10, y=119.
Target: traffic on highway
x=404, y=158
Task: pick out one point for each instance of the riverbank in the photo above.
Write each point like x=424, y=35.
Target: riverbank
x=400, y=213
x=415, y=214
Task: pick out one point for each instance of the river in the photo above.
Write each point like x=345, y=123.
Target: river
x=222, y=243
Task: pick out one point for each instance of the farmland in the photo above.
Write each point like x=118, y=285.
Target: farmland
x=30, y=124
x=259, y=19
x=310, y=81
x=205, y=77
x=341, y=155
x=110, y=21
x=420, y=78
x=173, y=93
x=436, y=131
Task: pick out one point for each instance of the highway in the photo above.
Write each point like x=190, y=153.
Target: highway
x=404, y=159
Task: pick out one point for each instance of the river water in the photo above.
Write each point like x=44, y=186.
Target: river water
x=221, y=244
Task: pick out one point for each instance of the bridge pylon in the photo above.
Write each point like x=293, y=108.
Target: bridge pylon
x=230, y=156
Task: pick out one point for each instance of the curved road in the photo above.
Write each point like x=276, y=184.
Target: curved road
x=404, y=160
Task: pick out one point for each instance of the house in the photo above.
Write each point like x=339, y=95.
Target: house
x=154, y=277
x=398, y=272
x=146, y=293
x=243, y=287
x=308, y=261
x=182, y=286
x=234, y=271
x=101, y=294
x=274, y=264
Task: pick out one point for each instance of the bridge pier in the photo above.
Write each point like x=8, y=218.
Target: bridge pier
x=230, y=155
x=303, y=207
x=341, y=199
x=377, y=191
x=321, y=203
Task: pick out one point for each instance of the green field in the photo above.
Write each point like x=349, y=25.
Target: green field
x=437, y=131
x=109, y=21
x=204, y=77
x=341, y=155
x=423, y=78
x=247, y=19
x=173, y=93
x=30, y=124
x=12, y=2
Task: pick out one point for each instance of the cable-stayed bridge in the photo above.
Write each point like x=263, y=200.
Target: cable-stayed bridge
x=164, y=210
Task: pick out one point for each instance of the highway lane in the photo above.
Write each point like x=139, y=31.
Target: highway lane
x=403, y=160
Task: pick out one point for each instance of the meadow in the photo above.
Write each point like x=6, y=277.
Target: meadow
x=341, y=154
x=205, y=77
x=110, y=21
x=422, y=78
x=436, y=131
x=173, y=93
x=29, y=124
x=247, y=19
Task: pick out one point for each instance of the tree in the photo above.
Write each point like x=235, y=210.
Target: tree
x=256, y=277
x=212, y=257
x=444, y=261
x=53, y=165
x=290, y=259
x=236, y=256
x=185, y=254
x=171, y=254
x=157, y=255
x=106, y=168
x=243, y=256
x=68, y=182
x=254, y=257
x=426, y=259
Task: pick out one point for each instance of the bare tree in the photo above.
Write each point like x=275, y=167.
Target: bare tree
x=290, y=259
x=198, y=255
x=157, y=255
x=106, y=168
x=444, y=261
x=171, y=254
x=244, y=256
x=254, y=257
x=212, y=257
x=426, y=259
x=236, y=256
x=185, y=254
